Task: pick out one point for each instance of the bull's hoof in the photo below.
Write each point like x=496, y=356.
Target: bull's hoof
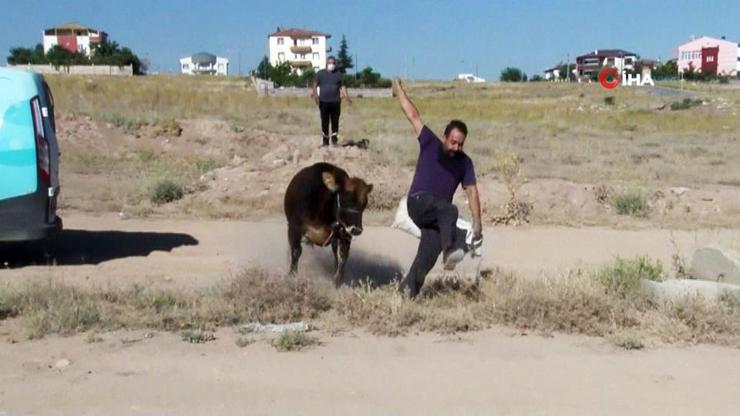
x=338, y=281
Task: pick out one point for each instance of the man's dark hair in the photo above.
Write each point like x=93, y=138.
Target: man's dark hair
x=331, y=58
x=456, y=124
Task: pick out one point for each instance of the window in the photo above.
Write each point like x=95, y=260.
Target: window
x=303, y=56
x=315, y=56
x=315, y=41
x=710, y=58
x=281, y=56
x=281, y=41
x=185, y=67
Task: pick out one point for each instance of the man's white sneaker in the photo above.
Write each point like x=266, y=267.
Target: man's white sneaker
x=452, y=257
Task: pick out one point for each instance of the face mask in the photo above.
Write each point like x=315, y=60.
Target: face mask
x=331, y=67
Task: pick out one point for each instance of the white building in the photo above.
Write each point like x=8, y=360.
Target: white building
x=706, y=54
x=591, y=63
x=203, y=63
x=302, y=48
x=73, y=37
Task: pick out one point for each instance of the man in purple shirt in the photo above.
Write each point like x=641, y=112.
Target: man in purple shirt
x=441, y=167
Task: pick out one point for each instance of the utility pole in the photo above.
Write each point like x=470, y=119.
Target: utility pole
x=567, y=67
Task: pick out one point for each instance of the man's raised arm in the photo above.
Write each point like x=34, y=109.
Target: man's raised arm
x=409, y=109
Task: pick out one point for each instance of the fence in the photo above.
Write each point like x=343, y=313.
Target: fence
x=127, y=70
x=264, y=88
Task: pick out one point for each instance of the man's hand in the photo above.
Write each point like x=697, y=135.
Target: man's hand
x=345, y=95
x=475, y=211
x=314, y=92
x=397, y=85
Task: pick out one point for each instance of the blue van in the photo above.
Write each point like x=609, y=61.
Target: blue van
x=29, y=158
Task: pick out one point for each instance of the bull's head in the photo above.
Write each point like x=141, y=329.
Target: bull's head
x=350, y=199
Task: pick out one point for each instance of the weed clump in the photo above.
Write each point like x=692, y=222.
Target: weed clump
x=196, y=336
x=685, y=104
x=622, y=278
x=631, y=202
x=166, y=191
x=294, y=341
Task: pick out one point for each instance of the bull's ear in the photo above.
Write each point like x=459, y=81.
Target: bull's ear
x=330, y=181
x=369, y=188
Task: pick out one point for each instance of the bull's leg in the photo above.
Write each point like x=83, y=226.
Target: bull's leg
x=294, y=240
x=335, y=252
x=343, y=254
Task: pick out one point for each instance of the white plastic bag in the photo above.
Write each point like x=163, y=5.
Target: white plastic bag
x=404, y=222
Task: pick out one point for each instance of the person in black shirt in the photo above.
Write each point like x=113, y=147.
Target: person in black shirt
x=328, y=93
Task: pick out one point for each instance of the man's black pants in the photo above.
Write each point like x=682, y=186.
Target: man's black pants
x=437, y=220
x=330, y=113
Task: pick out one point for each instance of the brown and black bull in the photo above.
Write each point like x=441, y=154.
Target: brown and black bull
x=324, y=206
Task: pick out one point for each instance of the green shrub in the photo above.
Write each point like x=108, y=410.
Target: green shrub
x=685, y=104
x=166, y=191
x=169, y=127
x=293, y=341
x=622, y=278
x=631, y=202
x=195, y=336
x=609, y=100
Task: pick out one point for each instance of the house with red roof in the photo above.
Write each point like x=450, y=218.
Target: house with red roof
x=302, y=48
x=73, y=37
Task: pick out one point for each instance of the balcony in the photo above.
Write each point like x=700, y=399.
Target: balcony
x=300, y=64
x=300, y=49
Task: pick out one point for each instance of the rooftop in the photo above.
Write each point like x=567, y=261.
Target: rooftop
x=72, y=27
x=203, y=58
x=608, y=53
x=298, y=33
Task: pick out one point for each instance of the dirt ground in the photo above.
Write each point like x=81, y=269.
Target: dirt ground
x=106, y=250
x=503, y=370
x=495, y=371
x=233, y=162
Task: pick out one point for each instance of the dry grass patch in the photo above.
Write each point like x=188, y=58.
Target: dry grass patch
x=607, y=303
x=294, y=341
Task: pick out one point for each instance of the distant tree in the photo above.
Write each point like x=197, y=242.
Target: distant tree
x=58, y=56
x=535, y=78
x=104, y=53
x=667, y=70
x=524, y=77
x=263, y=68
x=38, y=57
x=283, y=75
x=366, y=78
x=105, y=49
x=511, y=74
x=691, y=74
x=306, y=78
x=565, y=72
x=25, y=56
x=19, y=56
x=344, y=60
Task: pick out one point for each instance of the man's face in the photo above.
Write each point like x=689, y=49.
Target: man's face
x=453, y=142
x=330, y=65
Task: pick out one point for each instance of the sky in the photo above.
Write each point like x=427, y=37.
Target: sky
x=413, y=39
